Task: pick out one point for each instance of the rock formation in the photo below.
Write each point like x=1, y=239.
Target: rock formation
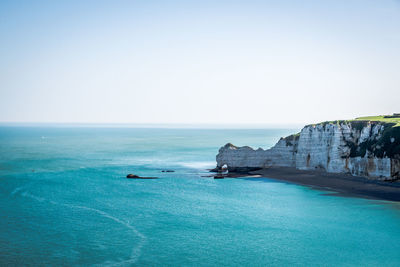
x=134, y=176
x=362, y=148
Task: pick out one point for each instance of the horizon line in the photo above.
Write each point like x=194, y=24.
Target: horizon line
x=155, y=125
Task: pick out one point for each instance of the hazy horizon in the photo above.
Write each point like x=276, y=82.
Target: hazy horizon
x=205, y=126
x=209, y=62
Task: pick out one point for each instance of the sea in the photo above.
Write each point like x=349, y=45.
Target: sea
x=65, y=201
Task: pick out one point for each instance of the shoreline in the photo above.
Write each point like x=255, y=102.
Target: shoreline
x=343, y=184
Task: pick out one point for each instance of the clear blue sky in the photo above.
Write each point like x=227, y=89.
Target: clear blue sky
x=198, y=61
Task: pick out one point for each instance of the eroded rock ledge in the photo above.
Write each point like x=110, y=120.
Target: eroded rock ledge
x=361, y=148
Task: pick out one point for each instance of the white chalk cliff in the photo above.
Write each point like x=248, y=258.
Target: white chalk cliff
x=361, y=148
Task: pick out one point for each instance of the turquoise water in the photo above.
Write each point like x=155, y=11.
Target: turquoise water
x=64, y=200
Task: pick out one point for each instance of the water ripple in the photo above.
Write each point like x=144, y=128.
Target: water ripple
x=136, y=251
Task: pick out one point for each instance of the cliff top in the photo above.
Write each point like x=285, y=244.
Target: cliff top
x=395, y=118
x=387, y=145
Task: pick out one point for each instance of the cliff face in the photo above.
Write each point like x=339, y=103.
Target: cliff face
x=362, y=148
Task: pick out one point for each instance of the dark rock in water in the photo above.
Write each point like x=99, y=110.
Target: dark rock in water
x=219, y=176
x=133, y=176
x=244, y=170
x=167, y=171
x=216, y=169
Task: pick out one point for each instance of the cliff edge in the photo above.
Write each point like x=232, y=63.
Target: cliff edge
x=367, y=146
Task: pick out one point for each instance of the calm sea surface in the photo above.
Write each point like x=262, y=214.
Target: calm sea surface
x=64, y=200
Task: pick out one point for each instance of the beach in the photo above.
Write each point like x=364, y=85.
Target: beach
x=343, y=184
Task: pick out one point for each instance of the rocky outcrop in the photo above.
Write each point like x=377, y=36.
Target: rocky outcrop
x=134, y=176
x=362, y=148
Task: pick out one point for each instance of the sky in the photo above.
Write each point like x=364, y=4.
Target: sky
x=212, y=62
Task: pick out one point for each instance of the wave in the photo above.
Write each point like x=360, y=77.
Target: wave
x=16, y=190
x=39, y=199
x=136, y=251
x=198, y=164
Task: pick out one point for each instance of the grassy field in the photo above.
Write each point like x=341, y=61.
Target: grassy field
x=394, y=120
x=382, y=118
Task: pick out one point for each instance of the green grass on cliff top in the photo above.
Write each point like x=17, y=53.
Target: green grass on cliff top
x=382, y=118
x=393, y=119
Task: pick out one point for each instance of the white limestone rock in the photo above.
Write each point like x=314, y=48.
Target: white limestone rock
x=334, y=147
